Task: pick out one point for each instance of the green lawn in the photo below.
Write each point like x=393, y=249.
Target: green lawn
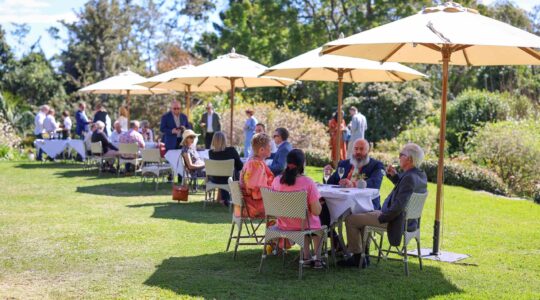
x=65, y=233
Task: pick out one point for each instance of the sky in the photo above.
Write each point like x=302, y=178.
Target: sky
x=42, y=14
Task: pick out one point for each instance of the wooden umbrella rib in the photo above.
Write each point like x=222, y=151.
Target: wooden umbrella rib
x=457, y=48
x=331, y=69
x=431, y=46
x=203, y=81
x=244, y=82
x=396, y=74
x=350, y=75
x=333, y=49
x=302, y=74
x=466, y=58
x=392, y=53
x=530, y=52
x=281, y=82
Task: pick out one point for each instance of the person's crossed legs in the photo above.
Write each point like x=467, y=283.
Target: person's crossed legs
x=355, y=225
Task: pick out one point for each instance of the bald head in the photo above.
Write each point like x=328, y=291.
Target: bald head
x=360, y=149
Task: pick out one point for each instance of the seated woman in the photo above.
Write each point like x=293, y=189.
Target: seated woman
x=293, y=180
x=220, y=151
x=254, y=176
x=192, y=160
x=146, y=131
x=109, y=150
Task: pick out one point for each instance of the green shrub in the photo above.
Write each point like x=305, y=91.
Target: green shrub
x=471, y=109
x=512, y=150
x=317, y=159
x=459, y=174
x=427, y=136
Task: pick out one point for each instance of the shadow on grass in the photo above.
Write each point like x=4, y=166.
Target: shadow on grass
x=49, y=165
x=217, y=276
x=192, y=212
x=126, y=189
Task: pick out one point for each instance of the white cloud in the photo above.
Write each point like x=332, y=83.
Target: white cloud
x=31, y=12
x=17, y=6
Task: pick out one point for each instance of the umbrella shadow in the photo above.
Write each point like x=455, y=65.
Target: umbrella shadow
x=218, y=276
x=48, y=165
x=192, y=212
x=126, y=189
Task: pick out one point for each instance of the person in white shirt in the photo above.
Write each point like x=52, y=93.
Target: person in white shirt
x=146, y=131
x=358, y=127
x=49, y=124
x=123, y=118
x=117, y=132
x=66, y=125
x=88, y=138
x=38, y=123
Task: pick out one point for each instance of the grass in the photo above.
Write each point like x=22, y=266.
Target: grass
x=65, y=233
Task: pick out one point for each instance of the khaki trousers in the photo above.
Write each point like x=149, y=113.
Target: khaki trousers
x=355, y=225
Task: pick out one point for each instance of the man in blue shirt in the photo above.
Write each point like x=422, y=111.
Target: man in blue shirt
x=283, y=148
x=81, y=128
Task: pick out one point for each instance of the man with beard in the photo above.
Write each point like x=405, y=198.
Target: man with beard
x=360, y=165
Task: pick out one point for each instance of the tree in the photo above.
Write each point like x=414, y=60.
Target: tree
x=6, y=57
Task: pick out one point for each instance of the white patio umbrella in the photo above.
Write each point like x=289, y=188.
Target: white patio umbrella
x=449, y=34
x=312, y=66
x=122, y=84
x=161, y=81
x=231, y=70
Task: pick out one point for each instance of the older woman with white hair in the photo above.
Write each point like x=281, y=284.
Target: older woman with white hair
x=411, y=180
x=109, y=150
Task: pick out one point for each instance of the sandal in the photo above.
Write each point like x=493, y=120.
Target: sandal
x=319, y=264
x=308, y=263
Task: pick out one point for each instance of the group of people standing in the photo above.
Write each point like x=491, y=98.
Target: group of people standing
x=355, y=130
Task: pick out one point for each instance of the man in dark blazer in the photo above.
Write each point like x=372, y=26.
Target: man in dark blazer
x=371, y=169
x=279, y=159
x=210, y=123
x=172, y=125
x=412, y=180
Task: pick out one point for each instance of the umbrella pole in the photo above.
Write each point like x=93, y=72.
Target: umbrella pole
x=188, y=102
x=232, y=110
x=337, y=152
x=127, y=103
x=446, y=52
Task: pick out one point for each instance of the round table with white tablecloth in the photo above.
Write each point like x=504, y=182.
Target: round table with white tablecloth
x=342, y=200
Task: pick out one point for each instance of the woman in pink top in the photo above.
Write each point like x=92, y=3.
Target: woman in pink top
x=255, y=175
x=293, y=180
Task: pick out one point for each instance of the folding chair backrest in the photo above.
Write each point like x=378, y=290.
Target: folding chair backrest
x=285, y=204
x=414, y=207
x=95, y=148
x=219, y=167
x=128, y=149
x=236, y=193
x=150, y=156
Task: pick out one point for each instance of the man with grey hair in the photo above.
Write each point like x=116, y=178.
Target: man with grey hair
x=357, y=126
x=117, y=132
x=38, y=126
x=411, y=180
x=108, y=149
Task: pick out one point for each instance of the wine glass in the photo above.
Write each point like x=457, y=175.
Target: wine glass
x=341, y=172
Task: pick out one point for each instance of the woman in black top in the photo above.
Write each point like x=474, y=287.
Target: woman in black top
x=219, y=151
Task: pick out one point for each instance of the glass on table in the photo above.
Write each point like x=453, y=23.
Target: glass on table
x=341, y=172
x=327, y=172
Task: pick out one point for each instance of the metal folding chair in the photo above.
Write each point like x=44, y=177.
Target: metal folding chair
x=222, y=168
x=152, y=166
x=128, y=153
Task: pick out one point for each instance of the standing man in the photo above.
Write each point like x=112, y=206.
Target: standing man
x=249, y=131
x=38, y=126
x=358, y=127
x=50, y=125
x=82, y=121
x=172, y=125
x=279, y=161
x=210, y=123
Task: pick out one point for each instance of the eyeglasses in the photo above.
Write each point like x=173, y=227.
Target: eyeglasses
x=276, y=135
x=190, y=137
x=402, y=154
x=176, y=108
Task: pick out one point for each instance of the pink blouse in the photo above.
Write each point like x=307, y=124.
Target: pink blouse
x=303, y=183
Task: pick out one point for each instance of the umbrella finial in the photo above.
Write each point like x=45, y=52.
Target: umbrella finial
x=233, y=50
x=341, y=35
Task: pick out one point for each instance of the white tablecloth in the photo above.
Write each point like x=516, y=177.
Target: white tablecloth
x=54, y=147
x=173, y=157
x=339, y=200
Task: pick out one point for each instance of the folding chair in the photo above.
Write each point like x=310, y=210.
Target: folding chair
x=128, y=153
x=251, y=224
x=97, y=156
x=412, y=211
x=152, y=166
x=223, y=168
x=291, y=205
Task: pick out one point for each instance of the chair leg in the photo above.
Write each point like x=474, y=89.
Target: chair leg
x=333, y=247
x=405, y=260
x=230, y=237
x=301, y=263
x=237, y=240
x=419, y=253
x=263, y=256
x=118, y=170
x=379, y=256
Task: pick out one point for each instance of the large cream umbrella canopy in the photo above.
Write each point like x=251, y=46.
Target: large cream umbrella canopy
x=231, y=70
x=312, y=66
x=122, y=84
x=163, y=81
x=446, y=34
